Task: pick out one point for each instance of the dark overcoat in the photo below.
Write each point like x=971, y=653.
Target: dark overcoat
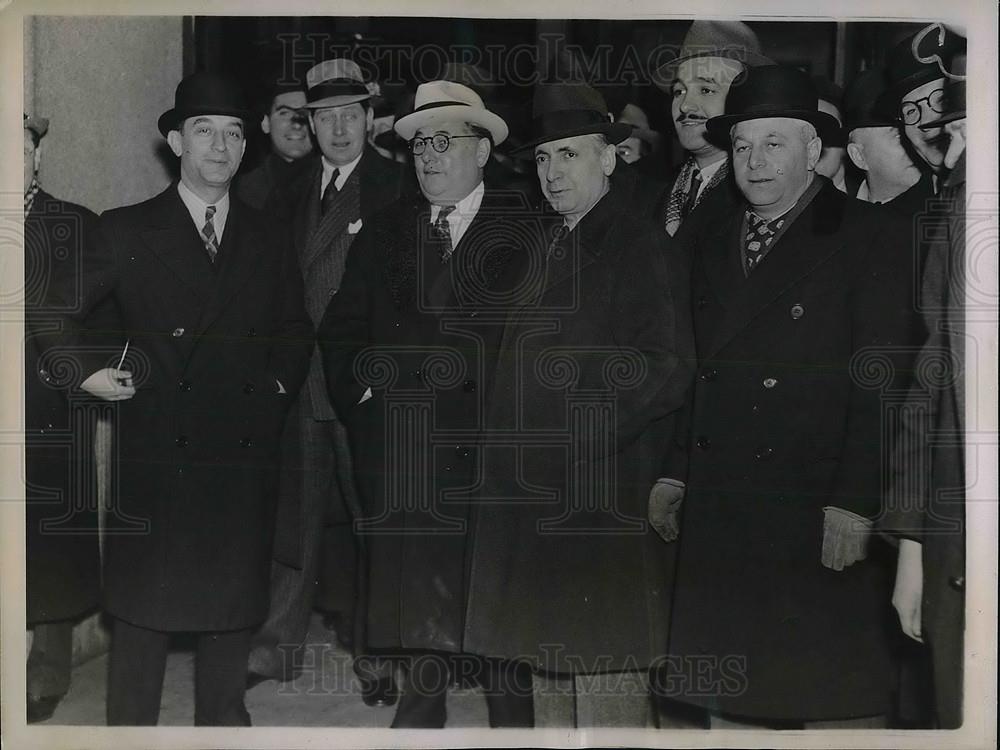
x=928, y=498
x=196, y=447
x=422, y=335
x=594, y=362
x=795, y=362
x=62, y=559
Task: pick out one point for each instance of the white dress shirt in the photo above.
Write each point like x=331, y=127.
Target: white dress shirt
x=345, y=172
x=196, y=207
x=465, y=211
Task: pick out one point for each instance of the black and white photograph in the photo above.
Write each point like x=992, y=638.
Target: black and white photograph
x=485, y=374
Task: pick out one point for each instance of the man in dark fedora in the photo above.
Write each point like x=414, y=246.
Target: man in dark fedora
x=566, y=570
x=214, y=344
x=697, y=81
x=915, y=93
x=409, y=343
x=316, y=554
x=802, y=322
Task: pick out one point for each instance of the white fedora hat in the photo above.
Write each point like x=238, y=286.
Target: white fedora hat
x=440, y=101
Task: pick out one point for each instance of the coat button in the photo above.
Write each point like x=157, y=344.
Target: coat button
x=462, y=452
x=419, y=375
x=797, y=311
x=763, y=454
x=181, y=442
x=469, y=386
x=770, y=382
x=44, y=375
x=702, y=302
x=248, y=388
x=709, y=375
x=246, y=443
x=177, y=333
x=957, y=582
x=473, y=314
x=252, y=332
x=184, y=385
x=703, y=442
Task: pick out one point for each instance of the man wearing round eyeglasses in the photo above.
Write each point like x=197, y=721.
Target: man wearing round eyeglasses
x=916, y=95
x=409, y=344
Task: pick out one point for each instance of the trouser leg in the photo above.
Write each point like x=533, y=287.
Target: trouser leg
x=135, y=674
x=220, y=679
x=423, y=703
x=615, y=699
x=509, y=692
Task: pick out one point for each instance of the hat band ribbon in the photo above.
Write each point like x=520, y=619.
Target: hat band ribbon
x=568, y=119
x=335, y=87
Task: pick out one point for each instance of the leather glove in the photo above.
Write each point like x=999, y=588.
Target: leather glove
x=664, y=508
x=845, y=538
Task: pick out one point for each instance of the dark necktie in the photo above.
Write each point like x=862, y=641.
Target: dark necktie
x=443, y=232
x=330, y=193
x=692, y=195
x=208, y=234
x=760, y=235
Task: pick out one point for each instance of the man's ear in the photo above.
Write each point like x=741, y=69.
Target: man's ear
x=369, y=120
x=813, y=150
x=609, y=159
x=857, y=153
x=265, y=124
x=175, y=142
x=37, y=158
x=312, y=123
x=482, y=152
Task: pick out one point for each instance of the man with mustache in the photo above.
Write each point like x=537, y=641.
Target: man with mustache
x=697, y=81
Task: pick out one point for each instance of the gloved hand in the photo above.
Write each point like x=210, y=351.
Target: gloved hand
x=845, y=538
x=664, y=507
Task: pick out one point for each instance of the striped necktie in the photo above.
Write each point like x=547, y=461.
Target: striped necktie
x=208, y=234
x=330, y=193
x=443, y=232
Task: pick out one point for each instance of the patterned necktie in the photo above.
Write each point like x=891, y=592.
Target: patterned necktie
x=760, y=235
x=330, y=193
x=208, y=234
x=692, y=195
x=443, y=232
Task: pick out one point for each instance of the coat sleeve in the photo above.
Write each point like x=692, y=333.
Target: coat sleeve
x=885, y=331
x=293, y=337
x=345, y=328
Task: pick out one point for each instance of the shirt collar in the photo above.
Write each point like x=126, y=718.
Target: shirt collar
x=196, y=207
x=465, y=208
x=345, y=172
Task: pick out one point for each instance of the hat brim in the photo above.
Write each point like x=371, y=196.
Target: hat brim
x=615, y=132
x=341, y=100
x=172, y=118
x=827, y=127
x=407, y=126
x=889, y=100
x=666, y=74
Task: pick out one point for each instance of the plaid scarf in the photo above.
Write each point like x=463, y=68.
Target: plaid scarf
x=679, y=192
x=29, y=195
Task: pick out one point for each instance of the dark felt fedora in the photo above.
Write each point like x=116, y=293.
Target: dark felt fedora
x=860, y=98
x=918, y=59
x=205, y=94
x=772, y=91
x=955, y=90
x=564, y=110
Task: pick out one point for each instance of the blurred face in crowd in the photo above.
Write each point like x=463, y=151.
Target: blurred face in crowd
x=574, y=173
x=929, y=144
x=341, y=132
x=698, y=93
x=773, y=161
x=288, y=125
x=211, y=148
x=630, y=150
x=446, y=177
x=31, y=158
x=879, y=152
x=831, y=158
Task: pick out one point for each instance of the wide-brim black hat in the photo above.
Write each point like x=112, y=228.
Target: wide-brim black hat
x=955, y=89
x=565, y=110
x=860, y=98
x=772, y=91
x=205, y=94
x=915, y=61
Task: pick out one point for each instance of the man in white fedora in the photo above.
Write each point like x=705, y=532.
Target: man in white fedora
x=408, y=347
x=315, y=541
x=697, y=81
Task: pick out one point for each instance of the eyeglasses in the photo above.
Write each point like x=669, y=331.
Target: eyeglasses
x=439, y=141
x=913, y=111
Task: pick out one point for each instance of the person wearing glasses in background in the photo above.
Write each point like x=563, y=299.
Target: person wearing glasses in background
x=411, y=335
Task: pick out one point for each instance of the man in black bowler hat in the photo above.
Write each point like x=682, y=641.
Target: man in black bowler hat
x=215, y=343
x=800, y=315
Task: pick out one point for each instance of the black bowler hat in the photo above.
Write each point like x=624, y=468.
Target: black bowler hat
x=564, y=110
x=205, y=94
x=917, y=60
x=859, y=101
x=955, y=91
x=772, y=91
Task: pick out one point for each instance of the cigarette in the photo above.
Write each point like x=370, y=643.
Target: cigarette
x=121, y=360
